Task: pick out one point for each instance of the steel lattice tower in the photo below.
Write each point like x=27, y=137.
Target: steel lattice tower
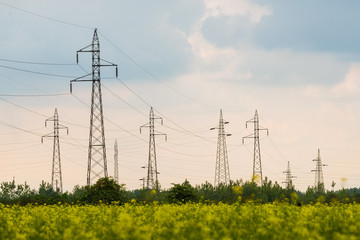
x=152, y=181
x=222, y=173
x=257, y=169
x=97, y=164
x=116, y=162
x=319, y=179
x=56, y=176
x=289, y=177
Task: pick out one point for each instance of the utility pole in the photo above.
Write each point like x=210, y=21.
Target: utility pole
x=319, y=179
x=97, y=164
x=56, y=176
x=116, y=162
x=222, y=173
x=257, y=169
x=152, y=181
x=289, y=177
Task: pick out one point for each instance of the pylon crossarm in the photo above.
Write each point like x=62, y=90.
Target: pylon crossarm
x=262, y=128
x=79, y=79
x=63, y=127
x=110, y=64
x=143, y=126
x=83, y=49
x=45, y=136
x=249, y=121
x=249, y=136
x=49, y=120
x=156, y=118
x=161, y=134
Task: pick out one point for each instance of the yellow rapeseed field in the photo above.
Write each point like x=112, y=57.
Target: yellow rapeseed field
x=188, y=221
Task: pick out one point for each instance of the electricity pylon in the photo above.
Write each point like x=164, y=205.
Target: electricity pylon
x=56, y=176
x=97, y=164
x=222, y=173
x=257, y=169
x=289, y=177
x=116, y=162
x=319, y=179
x=152, y=181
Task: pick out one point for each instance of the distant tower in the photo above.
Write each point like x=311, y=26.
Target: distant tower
x=116, y=162
x=222, y=173
x=152, y=181
x=56, y=176
x=257, y=170
x=319, y=179
x=97, y=164
x=289, y=177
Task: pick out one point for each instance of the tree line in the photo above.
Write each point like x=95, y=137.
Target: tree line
x=107, y=191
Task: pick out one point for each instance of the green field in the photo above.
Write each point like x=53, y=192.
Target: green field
x=189, y=221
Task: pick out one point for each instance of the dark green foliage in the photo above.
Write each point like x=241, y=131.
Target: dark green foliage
x=10, y=191
x=148, y=195
x=182, y=193
x=105, y=190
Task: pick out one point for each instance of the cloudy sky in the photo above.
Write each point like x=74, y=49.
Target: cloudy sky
x=295, y=62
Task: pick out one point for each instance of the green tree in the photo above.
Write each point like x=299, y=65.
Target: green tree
x=182, y=193
x=105, y=190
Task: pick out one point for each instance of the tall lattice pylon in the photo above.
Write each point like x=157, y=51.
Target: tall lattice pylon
x=319, y=178
x=288, y=182
x=56, y=176
x=152, y=181
x=257, y=169
x=97, y=164
x=222, y=173
x=116, y=162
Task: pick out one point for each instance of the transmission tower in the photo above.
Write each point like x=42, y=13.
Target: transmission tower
x=319, y=179
x=289, y=177
x=152, y=181
x=257, y=170
x=222, y=173
x=97, y=165
x=56, y=176
x=116, y=162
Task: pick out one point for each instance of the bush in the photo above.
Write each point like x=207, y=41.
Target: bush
x=105, y=190
x=182, y=193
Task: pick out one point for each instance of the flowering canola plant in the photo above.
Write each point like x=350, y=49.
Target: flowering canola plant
x=188, y=221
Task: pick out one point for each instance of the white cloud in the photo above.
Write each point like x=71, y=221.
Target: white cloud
x=236, y=7
x=351, y=83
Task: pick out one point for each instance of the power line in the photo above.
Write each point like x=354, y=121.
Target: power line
x=36, y=72
x=146, y=103
x=124, y=101
x=37, y=113
x=152, y=75
x=37, y=63
x=18, y=128
x=45, y=17
x=185, y=131
x=34, y=95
